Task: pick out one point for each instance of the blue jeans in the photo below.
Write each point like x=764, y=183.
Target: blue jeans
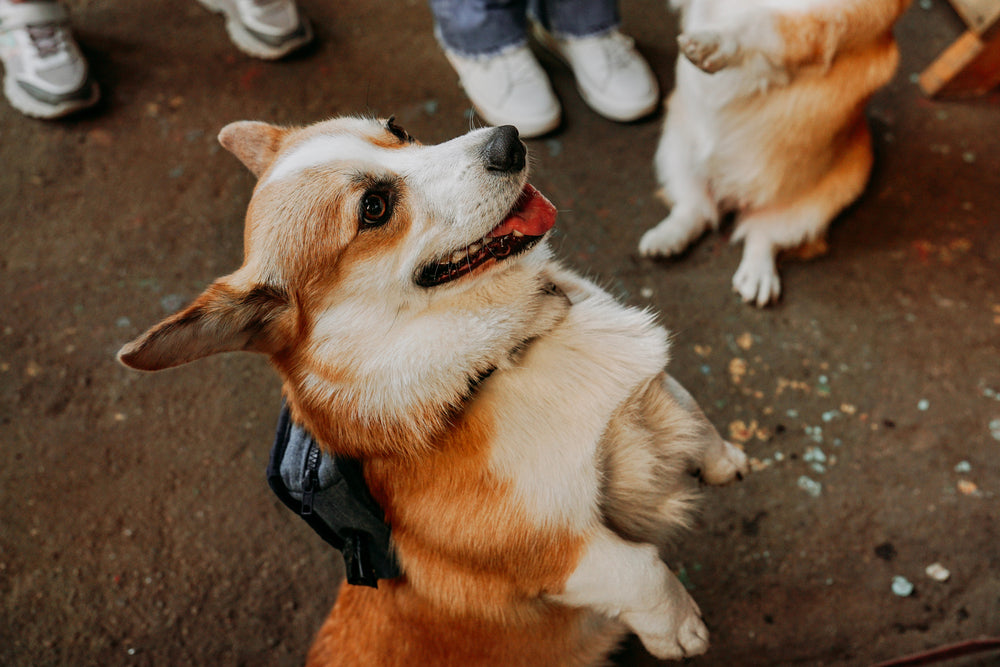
x=484, y=27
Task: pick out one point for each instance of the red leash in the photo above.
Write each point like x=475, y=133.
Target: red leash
x=943, y=653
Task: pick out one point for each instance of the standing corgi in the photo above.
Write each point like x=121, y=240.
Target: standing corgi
x=767, y=120
x=514, y=422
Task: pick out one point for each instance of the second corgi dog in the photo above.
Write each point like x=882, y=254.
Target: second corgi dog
x=767, y=121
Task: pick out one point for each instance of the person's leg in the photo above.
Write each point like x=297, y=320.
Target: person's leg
x=45, y=73
x=576, y=18
x=477, y=28
x=267, y=29
x=486, y=42
x=613, y=78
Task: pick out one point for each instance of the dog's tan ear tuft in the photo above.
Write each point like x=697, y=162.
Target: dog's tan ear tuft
x=253, y=142
x=222, y=319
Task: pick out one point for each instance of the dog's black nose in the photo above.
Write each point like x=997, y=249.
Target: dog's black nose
x=504, y=151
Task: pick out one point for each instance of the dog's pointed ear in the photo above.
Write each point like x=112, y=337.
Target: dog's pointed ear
x=222, y=319
x=253, y=142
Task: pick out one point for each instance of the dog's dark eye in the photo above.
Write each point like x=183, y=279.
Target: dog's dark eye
x=397, y=131
x=375, y=208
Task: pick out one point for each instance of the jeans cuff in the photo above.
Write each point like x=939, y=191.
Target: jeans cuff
x=597, y=32
x=520, y=42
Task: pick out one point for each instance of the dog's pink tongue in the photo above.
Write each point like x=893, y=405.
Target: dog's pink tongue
x=533, y=215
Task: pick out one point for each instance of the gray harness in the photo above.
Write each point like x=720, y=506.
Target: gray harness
x=330, y=494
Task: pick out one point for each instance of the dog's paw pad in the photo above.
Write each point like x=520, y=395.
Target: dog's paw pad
x=708, y=50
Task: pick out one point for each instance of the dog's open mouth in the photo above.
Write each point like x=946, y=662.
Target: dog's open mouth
x=530, y=218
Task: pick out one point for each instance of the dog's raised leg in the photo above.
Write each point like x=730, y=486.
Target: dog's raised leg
x=721, y=462
x=692, y=210
x=629, y=581
x=749, y=42
x=769, y=230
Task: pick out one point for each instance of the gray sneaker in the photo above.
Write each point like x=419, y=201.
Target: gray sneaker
x=45, y=74
x=267, y=29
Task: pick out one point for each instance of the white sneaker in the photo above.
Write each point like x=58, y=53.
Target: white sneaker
x=267, y=29
x=611, y=75
x=510, y=88
x=45, y=74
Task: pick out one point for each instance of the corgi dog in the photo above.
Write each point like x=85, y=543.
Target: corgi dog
x=513, y=421
x=767, y=121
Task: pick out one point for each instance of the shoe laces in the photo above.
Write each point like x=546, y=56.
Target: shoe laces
x=618, y=49
x=47, y=39
x=520, y=65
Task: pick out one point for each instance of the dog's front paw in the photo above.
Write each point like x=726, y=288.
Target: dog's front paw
x=672, y=236
x=756, y=280
x=726, y=466
x=671, y=633
x=710, y=50
x=663, y=240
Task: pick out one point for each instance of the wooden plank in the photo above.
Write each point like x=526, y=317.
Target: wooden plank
x=970, y=66
x=979, y=15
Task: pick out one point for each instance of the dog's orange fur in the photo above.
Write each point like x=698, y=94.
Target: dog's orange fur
x=518, y=561
x=401, y=628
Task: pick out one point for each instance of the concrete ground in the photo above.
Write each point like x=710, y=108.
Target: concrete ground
x=137, y=528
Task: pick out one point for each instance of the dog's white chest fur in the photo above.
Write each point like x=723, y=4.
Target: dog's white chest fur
x=546, y=447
